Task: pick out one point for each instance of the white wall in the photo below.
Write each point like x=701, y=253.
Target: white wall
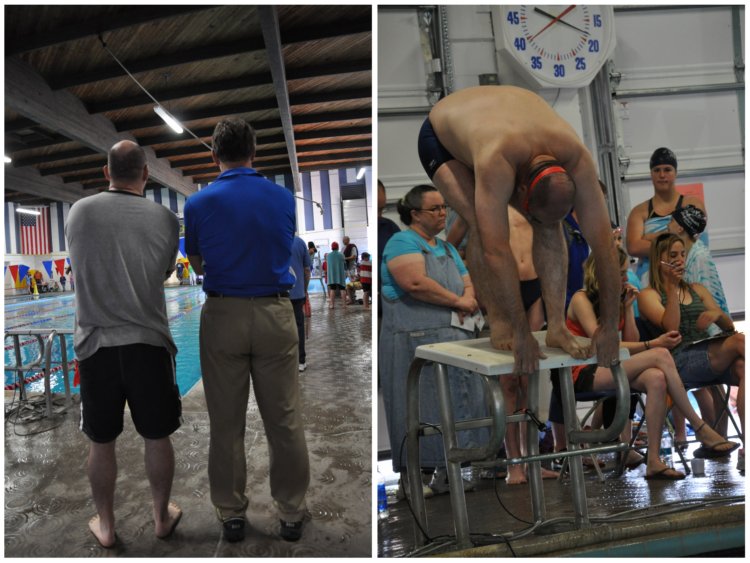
x=703, y=129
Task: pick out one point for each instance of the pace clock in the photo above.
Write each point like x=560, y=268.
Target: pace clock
x=556, y=46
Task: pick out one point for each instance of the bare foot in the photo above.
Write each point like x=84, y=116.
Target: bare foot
x=549, y=474
x=105, y=537
x=563, y=339
x=164, y=529
x=516, y=475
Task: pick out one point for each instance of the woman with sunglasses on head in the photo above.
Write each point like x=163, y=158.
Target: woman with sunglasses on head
x=673, y=304
x=650, y=369
x=424, y=283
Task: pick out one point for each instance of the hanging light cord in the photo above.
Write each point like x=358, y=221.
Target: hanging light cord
x=134, y=79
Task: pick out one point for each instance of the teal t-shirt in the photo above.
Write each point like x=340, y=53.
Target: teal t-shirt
x=409, y=242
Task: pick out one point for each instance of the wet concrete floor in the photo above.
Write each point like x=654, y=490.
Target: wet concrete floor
x=48, y=501
x=496, y=508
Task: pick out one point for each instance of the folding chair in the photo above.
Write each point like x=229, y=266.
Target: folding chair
x=597, y=398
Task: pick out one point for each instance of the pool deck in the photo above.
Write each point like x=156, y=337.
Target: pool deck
x=48, y=501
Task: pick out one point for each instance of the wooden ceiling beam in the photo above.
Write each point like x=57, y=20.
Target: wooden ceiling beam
x=184, y=56
x=338, y=132
x=249, y=81
x=27, y=94
x=269, y=23
x=153, y=120
x=94, y=164
x=29, y=181
x=53, y=157
x=350, y=67
x=186, y=91
x=127, y=17
x=318, y=32
x=335, y=156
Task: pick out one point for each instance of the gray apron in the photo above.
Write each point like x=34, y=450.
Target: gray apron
x=408, y=323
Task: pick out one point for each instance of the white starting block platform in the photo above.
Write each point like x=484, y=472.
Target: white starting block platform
x=478, y=356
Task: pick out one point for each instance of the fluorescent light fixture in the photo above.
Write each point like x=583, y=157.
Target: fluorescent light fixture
x=168, y=119
x=28, y=211
x=360, y=173
x=8, y=160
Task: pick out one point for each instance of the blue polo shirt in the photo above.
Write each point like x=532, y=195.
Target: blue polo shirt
x=242, y=225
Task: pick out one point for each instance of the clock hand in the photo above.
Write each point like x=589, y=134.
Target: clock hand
x=553, y=22
x=550, y=16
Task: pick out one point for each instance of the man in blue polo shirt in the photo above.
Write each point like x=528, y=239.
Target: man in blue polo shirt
x=238, y=234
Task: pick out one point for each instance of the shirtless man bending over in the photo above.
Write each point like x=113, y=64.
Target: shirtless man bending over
x=488, y=147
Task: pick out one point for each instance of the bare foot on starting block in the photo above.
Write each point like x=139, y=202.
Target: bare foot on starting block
x=563, y=339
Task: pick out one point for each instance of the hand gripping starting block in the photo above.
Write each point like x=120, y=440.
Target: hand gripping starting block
x=478, y=356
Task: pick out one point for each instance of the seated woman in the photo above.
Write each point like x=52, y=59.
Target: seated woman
x=650, y=369
x=673, y=304
x=424, y=283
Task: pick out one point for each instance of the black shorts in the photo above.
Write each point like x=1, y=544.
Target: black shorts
x=432, y=153
x=335, y=286
x=531, y=291
x=367, y=287
x=141, y=374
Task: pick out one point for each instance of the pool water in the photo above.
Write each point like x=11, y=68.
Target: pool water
x=58, y=312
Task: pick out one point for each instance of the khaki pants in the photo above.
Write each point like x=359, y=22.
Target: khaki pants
x=242, y=339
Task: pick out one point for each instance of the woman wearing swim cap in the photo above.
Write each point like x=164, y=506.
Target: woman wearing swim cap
x=650, y=218
x=688, y=223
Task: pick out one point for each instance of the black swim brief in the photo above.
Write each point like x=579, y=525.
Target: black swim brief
x=431, y=151
x=531, y=291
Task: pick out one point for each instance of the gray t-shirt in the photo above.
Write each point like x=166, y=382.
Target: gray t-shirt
x=122, y=249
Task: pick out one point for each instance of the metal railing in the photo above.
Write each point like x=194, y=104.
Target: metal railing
x=46, y=340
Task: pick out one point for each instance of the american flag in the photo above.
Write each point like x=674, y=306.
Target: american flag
x=35, y=232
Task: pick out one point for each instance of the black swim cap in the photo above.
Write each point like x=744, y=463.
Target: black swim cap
x=690, y=218
x=663, y=156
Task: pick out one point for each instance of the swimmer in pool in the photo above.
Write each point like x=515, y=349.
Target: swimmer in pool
x=488, y=147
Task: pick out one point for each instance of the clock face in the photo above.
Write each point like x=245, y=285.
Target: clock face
x=558, y=45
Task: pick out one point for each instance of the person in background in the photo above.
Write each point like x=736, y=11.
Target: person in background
x=365, y=277
x=298, y=293
x=688, y=223
x=335, y=275
x=351, y=257
x=650, y=368
x=63, y=280
x=424, y=283
x=673, y=304
x=386, y=229
x=247, y=330
x=125, y=350
x=314, y=259
x=649, y=219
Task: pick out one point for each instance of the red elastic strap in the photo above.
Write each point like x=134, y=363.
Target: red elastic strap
x=537, y=178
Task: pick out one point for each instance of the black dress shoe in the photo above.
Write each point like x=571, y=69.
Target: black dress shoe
x=234, y=529
x=291, y=531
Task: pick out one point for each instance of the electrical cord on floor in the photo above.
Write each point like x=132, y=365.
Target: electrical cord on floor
x=406, y=497
x=32, y=410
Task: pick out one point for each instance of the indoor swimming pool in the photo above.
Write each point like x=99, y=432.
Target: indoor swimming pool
x=58, y=312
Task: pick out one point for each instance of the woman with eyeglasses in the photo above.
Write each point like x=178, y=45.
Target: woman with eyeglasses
x=673, y=304
x=650, y=368
x=650, y=218
x=424, y=283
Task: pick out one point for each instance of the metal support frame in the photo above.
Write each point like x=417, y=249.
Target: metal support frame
x=605, y=131
x=470, y=355
x=46, y=339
